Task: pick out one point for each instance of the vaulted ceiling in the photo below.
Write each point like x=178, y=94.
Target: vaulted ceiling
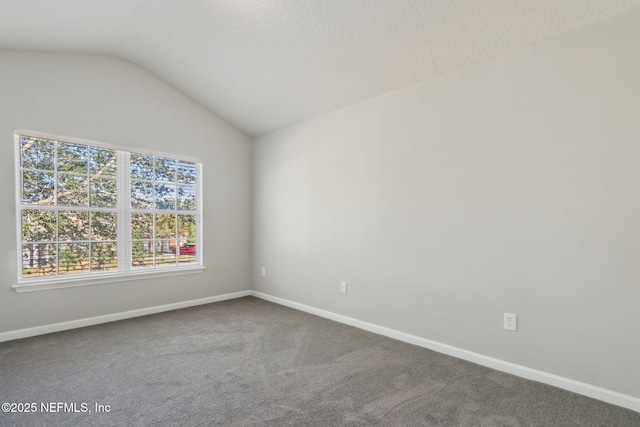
x=264, y=64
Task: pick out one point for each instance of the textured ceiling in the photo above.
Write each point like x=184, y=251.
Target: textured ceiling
x=265, y=64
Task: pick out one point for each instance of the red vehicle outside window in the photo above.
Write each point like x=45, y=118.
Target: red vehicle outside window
x=188, y=249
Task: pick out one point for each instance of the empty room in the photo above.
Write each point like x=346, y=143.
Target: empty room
x=320, y=213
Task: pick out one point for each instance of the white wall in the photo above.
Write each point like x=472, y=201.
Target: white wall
x=104, y=99
x=508, y=186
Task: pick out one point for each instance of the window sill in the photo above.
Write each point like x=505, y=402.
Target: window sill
x=35, y=285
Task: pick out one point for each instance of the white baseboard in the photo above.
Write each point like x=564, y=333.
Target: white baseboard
x=72, y=324
x=585, y=389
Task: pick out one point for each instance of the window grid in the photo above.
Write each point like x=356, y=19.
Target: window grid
x=161, y=243
x=101, y=197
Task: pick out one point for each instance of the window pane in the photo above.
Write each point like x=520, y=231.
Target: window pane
x=187, y=252
x=141, y=226
x=73, y=157
x=165, y=196
x=142, y=195
x=142, y=254
x=187, y=226
x=38, y=188
x=73, y=226
x=186, y=198
x=102, y=161
x=166, y=226
x=104, y=192
x=38, y=225
x=73, y=258
x=39, y=260
x=72, y=190
x=187, y=172
x=36, y=153
x=165, y=252
x=104, y=256
x=104, y=226
x=141, y=166
x=165, y=169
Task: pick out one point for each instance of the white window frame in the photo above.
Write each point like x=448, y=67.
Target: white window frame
x=125, y=271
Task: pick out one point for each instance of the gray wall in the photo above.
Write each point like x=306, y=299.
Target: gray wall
x=508, y=186
x=104, y=99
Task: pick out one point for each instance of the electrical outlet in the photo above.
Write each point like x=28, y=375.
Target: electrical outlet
x=263, y=272
x=510, y=322
x=343, y=287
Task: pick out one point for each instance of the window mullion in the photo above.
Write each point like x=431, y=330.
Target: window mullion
x=199, y=208
x=124, y=210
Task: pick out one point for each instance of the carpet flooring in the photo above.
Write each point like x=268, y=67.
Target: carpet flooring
x=248, y=362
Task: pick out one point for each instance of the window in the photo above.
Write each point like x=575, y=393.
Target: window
x=89, y=211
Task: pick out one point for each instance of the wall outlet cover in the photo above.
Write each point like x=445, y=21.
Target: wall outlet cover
x=510, y=322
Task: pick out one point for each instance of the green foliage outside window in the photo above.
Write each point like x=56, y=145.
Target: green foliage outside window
x=70, y=213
